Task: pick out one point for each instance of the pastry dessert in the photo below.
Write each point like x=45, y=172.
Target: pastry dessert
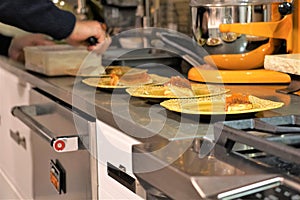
x=118, y=70
x=238, y=102
x=135, y=77
x=179, y=87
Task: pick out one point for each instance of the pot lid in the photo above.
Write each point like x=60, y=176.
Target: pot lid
x=231, y=2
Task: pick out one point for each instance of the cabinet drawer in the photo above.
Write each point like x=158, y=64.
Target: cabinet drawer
x=111, y=189
x=15, y=148
x=115, y=147
x=116, y=177
x=18, y=153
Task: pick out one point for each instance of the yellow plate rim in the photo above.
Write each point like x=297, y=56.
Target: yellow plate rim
x=266, y=105
x=132, y=92
x=156, y=80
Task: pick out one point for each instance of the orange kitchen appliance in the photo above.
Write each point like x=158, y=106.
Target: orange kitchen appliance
x=281, y=30
x=277, y=28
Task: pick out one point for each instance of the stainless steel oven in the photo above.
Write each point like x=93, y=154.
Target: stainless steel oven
x=255, y=158
x=61, y=144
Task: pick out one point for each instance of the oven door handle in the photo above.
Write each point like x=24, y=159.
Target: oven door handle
x=59, y=144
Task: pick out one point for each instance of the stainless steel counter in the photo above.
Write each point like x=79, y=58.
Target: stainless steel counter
x=137, y=117
x=149, y=123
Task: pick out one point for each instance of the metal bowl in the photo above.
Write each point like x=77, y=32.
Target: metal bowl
x=207, y=17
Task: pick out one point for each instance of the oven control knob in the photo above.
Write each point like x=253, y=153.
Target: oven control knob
x=65, y=144
x=59, y=145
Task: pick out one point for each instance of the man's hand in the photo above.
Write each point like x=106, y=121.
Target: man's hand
x=17, y=45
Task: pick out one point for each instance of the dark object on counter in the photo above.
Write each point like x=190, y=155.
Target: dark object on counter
x=294, y=86
x=92, y=41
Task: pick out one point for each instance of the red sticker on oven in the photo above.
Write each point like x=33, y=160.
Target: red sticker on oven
x=59, y=145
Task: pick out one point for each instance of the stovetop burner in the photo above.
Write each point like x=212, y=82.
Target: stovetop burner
x=287, y=167
x=270, y=142
x=249, y=159
x=276, y=136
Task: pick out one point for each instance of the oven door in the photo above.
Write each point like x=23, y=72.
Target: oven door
x=60, y=140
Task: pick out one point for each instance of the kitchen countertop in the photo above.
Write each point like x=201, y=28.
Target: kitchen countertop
x=153, y=125
x=136, y=117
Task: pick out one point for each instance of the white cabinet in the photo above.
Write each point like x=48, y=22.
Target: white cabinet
x=115, y=176
x=15, y=152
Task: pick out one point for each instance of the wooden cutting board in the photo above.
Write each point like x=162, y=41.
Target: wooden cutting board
x=287, y=63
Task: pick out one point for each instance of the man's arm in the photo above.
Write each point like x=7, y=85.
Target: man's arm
x=38, y=16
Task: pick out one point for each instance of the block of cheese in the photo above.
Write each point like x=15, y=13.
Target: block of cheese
x=287, y=63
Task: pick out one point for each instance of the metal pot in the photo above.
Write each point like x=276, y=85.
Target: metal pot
x=238, y=33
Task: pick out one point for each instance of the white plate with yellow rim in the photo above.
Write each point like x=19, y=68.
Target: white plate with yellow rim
x=164, y=92
x=216, y=105
x=104, y=82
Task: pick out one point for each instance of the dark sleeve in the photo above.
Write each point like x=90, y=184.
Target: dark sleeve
x=37, y=16
x=4, y=44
